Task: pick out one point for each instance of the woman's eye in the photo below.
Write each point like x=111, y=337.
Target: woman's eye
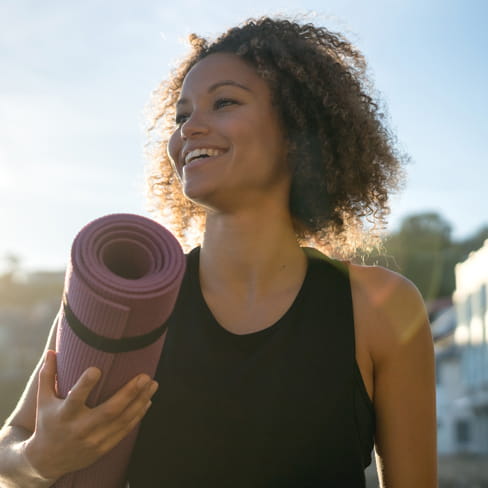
x=220, y=103
x=223, y=102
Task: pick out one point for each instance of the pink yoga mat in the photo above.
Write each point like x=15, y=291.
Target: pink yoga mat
x=121, y=285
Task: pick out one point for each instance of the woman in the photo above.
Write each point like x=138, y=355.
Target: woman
x=281, y=366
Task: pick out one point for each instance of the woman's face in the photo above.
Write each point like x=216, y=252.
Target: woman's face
x=228, y=147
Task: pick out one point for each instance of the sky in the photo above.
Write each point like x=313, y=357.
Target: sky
x=75, y=78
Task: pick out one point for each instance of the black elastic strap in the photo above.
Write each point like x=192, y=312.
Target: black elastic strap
x=107, y=344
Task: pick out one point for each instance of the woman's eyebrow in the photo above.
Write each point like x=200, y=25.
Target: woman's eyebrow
x=227, y=82
x=213, y=87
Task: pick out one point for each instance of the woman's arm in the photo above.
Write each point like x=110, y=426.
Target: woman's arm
x=400, y=341
x=47, y=437
x=15, y=468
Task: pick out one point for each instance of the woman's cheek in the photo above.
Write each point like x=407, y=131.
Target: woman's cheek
x=173, y=150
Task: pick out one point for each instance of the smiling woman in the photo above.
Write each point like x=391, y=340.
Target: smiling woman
x=266, y=138
x=225, y=112
x=282, y=366
x=339, y=150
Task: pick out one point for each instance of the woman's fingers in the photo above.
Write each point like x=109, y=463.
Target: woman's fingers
x=134, y=412
x=114, y=412
x=117, y=435
x=70, y=435
x=47, y=378
x=134, y=395
x=78, y=395
x=116, y=427
x=120, y=400
x=107, y=424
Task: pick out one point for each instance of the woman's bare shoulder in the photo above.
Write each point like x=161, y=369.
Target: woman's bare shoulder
x=391, y=314
x=374, y=276
x=388, y=305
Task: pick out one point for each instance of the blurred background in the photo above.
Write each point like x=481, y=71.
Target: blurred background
x=76, y=77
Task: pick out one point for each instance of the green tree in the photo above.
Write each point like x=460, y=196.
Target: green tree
x=423, y=250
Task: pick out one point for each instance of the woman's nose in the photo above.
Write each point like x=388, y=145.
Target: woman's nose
x=194, y=125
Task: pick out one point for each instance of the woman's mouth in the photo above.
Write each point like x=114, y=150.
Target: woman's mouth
x=198, y=156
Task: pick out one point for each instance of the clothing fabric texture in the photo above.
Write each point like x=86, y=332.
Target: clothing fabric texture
x=279, y=408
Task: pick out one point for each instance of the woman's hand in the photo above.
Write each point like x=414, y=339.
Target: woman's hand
x=69, y=435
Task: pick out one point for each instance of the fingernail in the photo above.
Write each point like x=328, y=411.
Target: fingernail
x=46, y=356
x=142, y=381
x=153, y=388
x=93, y=374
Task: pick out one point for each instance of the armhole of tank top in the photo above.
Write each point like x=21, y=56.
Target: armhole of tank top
x=362, y=388
x=356, y=371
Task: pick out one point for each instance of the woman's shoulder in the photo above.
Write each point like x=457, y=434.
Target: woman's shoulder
x=389, y=307
x=373, y=278
x=383, y=286
x=391, y=314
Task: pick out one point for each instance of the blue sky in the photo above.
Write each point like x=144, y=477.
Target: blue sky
x=76, y=76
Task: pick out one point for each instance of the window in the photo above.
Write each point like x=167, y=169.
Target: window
x=468, y=310
x=483, y=300
x=463, y=434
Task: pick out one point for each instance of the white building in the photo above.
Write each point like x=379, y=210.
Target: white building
x=462, y=361
x=450, y=388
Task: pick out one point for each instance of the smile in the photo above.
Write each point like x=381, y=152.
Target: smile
x=202, y=153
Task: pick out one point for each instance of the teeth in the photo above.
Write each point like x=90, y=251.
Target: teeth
x=196, y=153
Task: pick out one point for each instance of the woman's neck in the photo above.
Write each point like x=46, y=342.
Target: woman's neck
x=250, y=253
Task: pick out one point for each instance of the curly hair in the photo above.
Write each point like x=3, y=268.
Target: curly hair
x=341, y=153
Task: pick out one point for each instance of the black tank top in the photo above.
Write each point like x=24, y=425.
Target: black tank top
x=279, y=408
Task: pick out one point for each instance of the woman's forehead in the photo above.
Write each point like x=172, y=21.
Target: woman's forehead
x=219, y=67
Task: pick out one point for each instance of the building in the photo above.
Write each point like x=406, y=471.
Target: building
x=461, y=345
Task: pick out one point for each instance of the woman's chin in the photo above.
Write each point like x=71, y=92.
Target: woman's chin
x=197, y=194
x=209, y=199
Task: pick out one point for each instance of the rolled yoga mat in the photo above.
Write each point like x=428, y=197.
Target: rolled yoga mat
x=121, y=285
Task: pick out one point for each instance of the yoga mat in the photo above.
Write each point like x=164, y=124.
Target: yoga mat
x=121, y=285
